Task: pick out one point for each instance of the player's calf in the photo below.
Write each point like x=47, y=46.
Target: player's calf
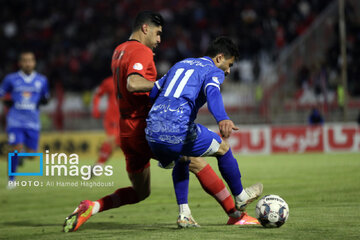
x=197, y=164
x=229, y=169
x=141, y=183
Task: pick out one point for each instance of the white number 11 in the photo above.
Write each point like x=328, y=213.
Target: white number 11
x=182, y=83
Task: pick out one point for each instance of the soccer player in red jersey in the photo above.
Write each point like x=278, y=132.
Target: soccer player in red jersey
x=111, y=118
x=134, y=74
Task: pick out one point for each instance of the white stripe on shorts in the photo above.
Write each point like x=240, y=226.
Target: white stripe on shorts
x=213, y=148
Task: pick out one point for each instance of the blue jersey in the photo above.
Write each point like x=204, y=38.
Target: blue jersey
x=26, y=92
x=180, y=94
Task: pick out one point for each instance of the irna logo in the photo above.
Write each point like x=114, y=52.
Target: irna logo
x=59, y=164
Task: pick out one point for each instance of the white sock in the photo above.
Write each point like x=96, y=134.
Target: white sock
x=243, y=196
x=96, y=208
x=184, y=209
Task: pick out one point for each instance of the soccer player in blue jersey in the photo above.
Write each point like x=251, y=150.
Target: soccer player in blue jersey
x=28, y=90
x=172, y=133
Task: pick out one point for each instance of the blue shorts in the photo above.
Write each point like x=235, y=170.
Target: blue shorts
x=206, y=144
x=28, y=137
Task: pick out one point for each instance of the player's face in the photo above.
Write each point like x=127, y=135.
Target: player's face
x=225, y=64
x=27, y=62
x=154, y=36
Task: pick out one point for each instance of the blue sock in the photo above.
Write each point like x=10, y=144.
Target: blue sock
x=229, y=169
x=14, y=164
x=180, y=177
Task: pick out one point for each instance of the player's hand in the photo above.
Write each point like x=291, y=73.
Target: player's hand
x=96, y=114
x=226, y=127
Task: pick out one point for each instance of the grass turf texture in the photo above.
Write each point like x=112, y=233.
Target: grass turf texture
x=322, y=191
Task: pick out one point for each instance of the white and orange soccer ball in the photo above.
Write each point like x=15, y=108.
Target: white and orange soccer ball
x=272, y=211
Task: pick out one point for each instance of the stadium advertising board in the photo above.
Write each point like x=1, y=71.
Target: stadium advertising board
x=296, y=139
x=249, y=140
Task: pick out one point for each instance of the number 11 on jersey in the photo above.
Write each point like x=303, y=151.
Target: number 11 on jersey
x=180, y=86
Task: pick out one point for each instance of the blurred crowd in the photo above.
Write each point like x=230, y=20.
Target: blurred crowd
x=321, y=82
x=74, y=40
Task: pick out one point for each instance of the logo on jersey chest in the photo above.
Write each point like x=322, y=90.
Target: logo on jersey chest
x=138, y=66
x=26, y=95
x=38, y=84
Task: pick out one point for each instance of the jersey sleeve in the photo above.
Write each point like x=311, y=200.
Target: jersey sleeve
x=102, y=89
x=158, y=86
x=5, y=87
x=107, y=86
x=215, y=103
x=214, y=78
x=213, y=95
x=139, y=62
x=45, y=93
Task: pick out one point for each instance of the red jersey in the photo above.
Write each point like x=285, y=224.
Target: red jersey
x=132, y=57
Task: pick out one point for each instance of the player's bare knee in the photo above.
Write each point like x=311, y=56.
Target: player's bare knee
x=224, y=147
x=197, y=164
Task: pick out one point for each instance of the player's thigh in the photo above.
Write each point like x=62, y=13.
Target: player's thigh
x=31, y=140
x=16, y=137
x=207, y=143
x=166, y=154
x=137, y=153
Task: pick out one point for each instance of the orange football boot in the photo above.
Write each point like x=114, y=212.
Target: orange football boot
x=244, y=219
x=81, y=214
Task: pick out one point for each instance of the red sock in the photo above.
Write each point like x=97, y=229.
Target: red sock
x=214, y=186
x=105, y=153
x=120, y=197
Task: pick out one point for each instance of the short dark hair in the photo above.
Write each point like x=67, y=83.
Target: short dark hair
x=25, y=51
x=223, y=45
x=148, y=17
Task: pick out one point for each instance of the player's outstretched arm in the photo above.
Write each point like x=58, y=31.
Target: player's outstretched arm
x=137, y=83
x=45, y=94
x=216, y=107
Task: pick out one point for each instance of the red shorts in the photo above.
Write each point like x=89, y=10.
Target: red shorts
x=137, y=153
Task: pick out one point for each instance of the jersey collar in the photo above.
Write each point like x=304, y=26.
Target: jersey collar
x=133, y=40
x=206, y=58
x=27, y=78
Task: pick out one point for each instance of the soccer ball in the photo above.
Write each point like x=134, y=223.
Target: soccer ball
x=272, y=211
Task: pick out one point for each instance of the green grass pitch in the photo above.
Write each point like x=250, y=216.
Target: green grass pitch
x=322, y=190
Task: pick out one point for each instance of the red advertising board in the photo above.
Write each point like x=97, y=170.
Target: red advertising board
x=296, y=139
x=251, y=140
